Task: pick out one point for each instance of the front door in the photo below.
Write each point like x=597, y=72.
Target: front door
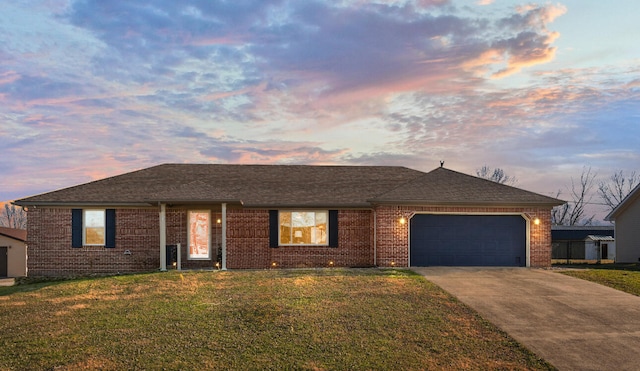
x=4, y=260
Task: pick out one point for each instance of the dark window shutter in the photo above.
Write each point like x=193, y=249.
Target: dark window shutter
x=333, y=228
x=76, y=227
x=273, y=228
x=110, y=228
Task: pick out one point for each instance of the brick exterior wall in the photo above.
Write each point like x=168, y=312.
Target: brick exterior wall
x=393, y=237
x=248, y=243
x=50, y=252
x=137, y=230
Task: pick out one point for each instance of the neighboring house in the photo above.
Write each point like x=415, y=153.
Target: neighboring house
x=13, y=252
x=574, y=243
x=626, y=218
x=265, y=216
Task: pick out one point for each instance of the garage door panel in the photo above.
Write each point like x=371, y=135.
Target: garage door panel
x=468, y=240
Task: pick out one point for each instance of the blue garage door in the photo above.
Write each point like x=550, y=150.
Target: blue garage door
x=468, y=240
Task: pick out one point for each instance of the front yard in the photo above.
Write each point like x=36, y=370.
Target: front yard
x=284, y=319
x=623, y=277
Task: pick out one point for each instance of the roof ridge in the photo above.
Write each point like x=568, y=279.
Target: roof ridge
x=495, y=183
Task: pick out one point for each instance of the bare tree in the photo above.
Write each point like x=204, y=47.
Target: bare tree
x=496, y=175
x=13, y=217
x=617, y=187
x=573, y=212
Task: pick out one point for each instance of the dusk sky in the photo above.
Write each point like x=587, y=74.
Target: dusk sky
x=90, y=89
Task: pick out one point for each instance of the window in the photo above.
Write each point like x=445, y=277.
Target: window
x=199, y=234
x=303, y=228
x=93, y=227
x=94, y=222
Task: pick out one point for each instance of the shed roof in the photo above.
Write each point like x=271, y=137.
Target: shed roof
x=16, y=234
x=600, y=238
x=577, y=233
x=289, y=186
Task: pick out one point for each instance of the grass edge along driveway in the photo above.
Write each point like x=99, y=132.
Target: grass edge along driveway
x=327, y=319
x=623, y=277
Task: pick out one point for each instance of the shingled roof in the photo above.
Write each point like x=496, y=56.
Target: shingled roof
x=250, y=185
x=288, y=186
x=447, y=187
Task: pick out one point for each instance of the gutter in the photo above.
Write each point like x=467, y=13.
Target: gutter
x=466, y=204
x=80, y=204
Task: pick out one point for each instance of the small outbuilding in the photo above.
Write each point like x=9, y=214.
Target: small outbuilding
x=600, y=248
x=13, y=252
x=581, y=242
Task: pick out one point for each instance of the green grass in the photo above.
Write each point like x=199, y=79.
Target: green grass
x=333, y=319
x=623, y=277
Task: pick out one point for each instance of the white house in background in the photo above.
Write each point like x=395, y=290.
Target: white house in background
x=599, y=247
x=626, y=217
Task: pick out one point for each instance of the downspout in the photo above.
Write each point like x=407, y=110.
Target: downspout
x=224, y=237
x=163, y=237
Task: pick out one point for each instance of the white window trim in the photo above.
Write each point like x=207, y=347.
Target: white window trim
x=189, y=256
x=326, y=212
x=84, y=227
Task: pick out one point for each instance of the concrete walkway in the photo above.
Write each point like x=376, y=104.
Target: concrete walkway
x=571, y=323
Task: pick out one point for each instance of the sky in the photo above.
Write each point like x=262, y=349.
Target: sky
x=91, y=89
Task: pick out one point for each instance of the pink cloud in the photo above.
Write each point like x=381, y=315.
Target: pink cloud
x=528, y=58
x=9, y=77
x=529, y=47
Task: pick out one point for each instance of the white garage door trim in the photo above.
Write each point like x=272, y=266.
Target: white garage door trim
x=526, y=218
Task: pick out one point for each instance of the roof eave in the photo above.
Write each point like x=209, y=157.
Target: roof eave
x=12, y=237
x=362, y=205
x=194, y=202
x=470, y=204
x=623, y=204
x=79, y=203
x=145, y=203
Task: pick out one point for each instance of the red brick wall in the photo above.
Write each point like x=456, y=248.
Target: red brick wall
x=248, y=243
x=392, y=243
x=50, y=252
x=137, y=230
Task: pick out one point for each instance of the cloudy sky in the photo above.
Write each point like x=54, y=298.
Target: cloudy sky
x=93, y=88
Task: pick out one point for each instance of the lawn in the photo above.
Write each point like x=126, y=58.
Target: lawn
x=623, y=277
x=333, y=319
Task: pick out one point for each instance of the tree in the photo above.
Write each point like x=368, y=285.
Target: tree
x=496, y=175
x=573, y=212
x=13, y=217
x=617, y=187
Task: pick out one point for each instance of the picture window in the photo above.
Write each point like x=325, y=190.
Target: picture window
x=308, y=228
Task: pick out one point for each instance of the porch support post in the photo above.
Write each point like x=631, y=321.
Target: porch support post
x=224, y=237
x=163, y=237
x=179, y=248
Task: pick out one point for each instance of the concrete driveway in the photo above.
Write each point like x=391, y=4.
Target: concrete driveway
x=572, y=323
